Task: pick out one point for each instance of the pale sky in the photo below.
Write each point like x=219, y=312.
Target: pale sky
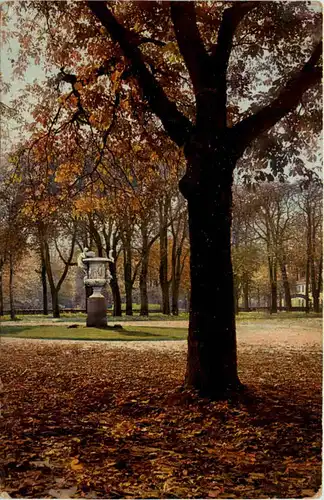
x=9, y=51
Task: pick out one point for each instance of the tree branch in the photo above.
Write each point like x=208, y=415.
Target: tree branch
x=183, y=15
x=175, y=123
x=59, y=252
x=221, y=51
x=289, y=97
x=68, y=262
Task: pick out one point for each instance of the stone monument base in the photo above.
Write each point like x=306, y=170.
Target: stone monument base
x=96, y=312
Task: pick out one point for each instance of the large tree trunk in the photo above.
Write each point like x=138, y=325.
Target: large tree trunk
x=212, y=360
x=11, y=290
x=44, y=288
x=286, y=285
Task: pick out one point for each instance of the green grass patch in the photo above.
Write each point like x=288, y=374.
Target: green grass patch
x=84, y=333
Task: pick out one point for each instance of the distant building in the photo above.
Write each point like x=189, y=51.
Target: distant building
x=298, y=296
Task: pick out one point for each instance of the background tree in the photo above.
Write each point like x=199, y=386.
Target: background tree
x=310, y=202
x=13, y=230
x=274, y=205
x=245, y=250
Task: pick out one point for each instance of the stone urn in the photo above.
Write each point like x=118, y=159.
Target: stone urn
x=97, y=276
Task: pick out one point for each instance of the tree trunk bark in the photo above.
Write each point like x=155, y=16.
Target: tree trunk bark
x=117, y=311
x=286, y=286
x=55, y=303
x=128, y=281
x=307, y=276
x=212, y=359
x=44, y=288
x=246, y=294
x=174, y=291
x=143, y=288
x=316, y=288
x=176, y=279
x=175, y=297
x=144, y=311
x=316, y=303
x=163, y=272
x=319, y=283
x=11, y=291
x=274, y=306
x=273, y=284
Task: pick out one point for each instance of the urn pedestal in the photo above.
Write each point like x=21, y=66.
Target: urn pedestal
x=96, y=311
x=96, y=303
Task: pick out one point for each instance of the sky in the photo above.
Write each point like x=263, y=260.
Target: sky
x=9, y=51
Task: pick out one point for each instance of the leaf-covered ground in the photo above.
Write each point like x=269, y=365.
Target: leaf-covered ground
x=93, y=420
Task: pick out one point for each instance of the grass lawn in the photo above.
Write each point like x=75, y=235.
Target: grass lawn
x=84, y=333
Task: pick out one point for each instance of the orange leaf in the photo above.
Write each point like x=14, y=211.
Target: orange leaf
x=75, y=465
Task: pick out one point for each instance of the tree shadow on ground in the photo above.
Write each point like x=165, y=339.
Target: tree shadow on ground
x=13, y=329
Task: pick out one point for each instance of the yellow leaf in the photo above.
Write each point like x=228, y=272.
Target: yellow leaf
x=75, y=465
